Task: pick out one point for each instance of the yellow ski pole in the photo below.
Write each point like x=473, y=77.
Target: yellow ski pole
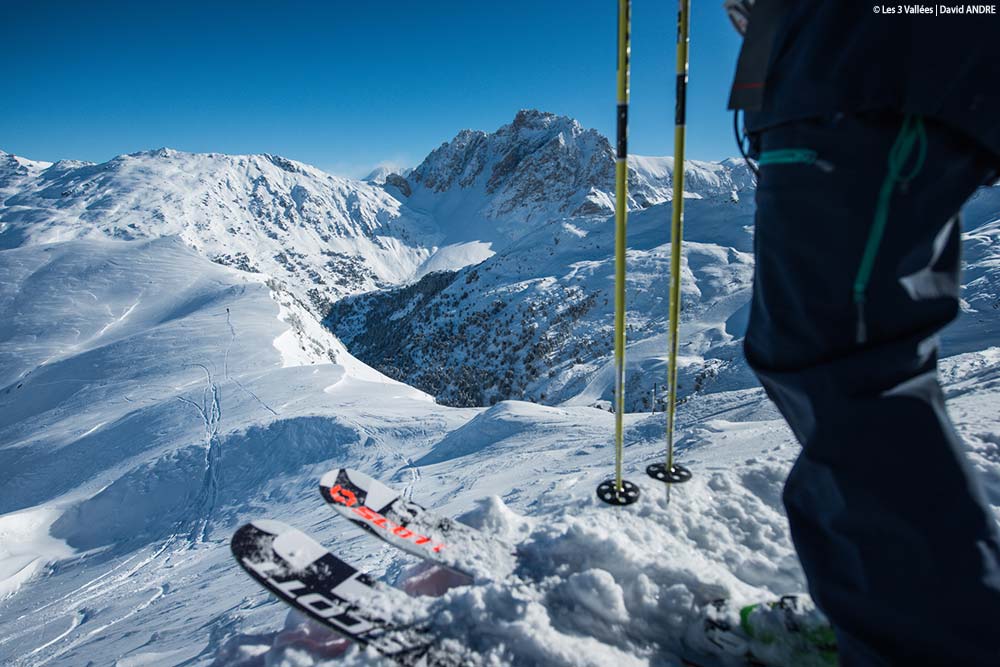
x=668, y=471
x=618, y=491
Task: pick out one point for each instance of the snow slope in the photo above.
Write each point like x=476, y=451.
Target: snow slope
x=152, y=402
x=149, y=398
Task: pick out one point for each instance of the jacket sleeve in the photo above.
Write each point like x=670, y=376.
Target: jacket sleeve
x=747, y=92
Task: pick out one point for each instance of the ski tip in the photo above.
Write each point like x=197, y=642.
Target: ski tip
x=239, y=538
x=271, y=526
x=329, y=479
x=253, y=537
x=338, y=488
x=355, y=477
x=345, y=487
x=265, y=540
x=257, y=534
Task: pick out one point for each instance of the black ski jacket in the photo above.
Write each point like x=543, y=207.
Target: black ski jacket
x=804, y=58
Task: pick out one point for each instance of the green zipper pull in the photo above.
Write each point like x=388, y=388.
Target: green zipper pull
x=794, y=156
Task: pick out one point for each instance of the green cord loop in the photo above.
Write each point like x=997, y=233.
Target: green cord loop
x=912, y=134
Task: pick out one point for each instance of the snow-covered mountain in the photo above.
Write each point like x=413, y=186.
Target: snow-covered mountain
x=323, y=237
x=535, y=321
x=17, y=172
x=651, y=179
x=380, y=174
x=540, y=168
x=320, y=235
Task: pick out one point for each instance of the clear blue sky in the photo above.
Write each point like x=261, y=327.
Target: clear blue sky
x=343, y=85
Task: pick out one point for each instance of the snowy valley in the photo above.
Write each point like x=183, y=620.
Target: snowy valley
x=189, y=341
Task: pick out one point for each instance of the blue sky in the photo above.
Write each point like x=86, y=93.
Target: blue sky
x=343, y=85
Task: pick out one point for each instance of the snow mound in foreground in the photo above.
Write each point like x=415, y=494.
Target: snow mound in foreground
x=598, y=585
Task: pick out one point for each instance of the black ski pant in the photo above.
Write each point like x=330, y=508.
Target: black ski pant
x=892, y=527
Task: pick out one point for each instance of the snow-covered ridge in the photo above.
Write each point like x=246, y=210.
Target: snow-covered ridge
x=16, y=171
x=321, y=235
x=379, y=174
x=651, y=179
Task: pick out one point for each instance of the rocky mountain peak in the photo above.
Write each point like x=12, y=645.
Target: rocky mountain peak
x=543, y=121
x=544, y=166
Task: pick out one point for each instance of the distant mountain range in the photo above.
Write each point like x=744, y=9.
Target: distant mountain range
x=523, y=214
x=324, y=236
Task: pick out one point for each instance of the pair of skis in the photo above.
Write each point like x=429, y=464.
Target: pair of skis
x=308, y=577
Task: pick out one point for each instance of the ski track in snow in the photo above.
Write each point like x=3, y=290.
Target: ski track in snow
x=125, y=590
x=210, y=411
x=75, y=606
x=233, y=379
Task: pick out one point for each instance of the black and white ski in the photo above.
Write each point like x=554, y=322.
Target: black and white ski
x=305, y=575
x=382, y=511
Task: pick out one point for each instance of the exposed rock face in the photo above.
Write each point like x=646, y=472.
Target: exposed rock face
x=541, y=165
x=399, y=182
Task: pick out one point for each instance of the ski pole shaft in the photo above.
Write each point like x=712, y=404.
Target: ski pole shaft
x=619, y=491
x=621, y=218
x=677, y=222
